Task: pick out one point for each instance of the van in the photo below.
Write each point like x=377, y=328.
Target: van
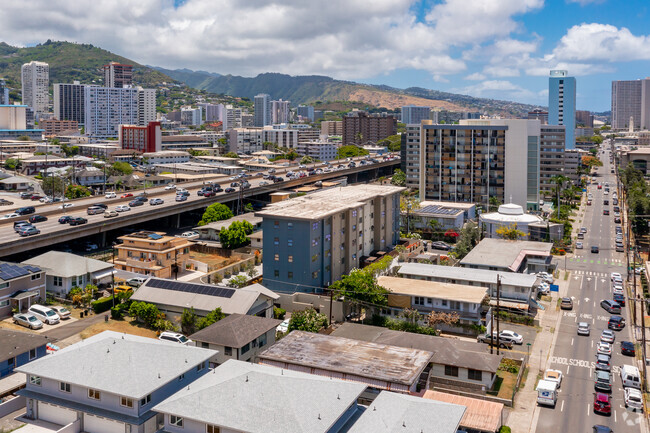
x=93, y=210
x=630, y=376
x=547, y=393
x=45, y=314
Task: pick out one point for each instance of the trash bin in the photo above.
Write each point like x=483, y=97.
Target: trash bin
x=106, y=318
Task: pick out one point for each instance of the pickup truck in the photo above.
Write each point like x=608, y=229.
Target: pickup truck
x=504, y=342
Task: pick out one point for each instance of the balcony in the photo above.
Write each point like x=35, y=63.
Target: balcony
x=142, y=263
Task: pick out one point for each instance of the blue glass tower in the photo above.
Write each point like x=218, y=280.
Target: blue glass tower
x=562, y=104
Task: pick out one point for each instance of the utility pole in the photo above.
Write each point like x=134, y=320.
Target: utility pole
x=634, y=290
x=645, y=373
x=331, y=303
x=498, y=305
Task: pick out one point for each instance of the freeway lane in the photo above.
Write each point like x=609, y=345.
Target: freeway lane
x=575, y=355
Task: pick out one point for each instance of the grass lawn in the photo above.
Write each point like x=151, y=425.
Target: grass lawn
x=125, y=326
x=504, y=385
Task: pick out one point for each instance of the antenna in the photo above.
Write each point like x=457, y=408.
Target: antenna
x=158, y=375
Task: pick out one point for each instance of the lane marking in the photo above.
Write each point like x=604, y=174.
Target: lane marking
x=562, y=406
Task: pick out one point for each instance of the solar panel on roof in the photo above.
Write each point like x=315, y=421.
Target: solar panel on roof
x=200, y=289
x=437, y=209
x=9, y=271
x=155, y=236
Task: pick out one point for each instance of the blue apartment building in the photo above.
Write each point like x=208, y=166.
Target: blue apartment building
x=562, y=104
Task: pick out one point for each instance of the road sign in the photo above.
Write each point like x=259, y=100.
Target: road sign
x=555, y=288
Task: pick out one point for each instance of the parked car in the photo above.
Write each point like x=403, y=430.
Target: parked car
x=62, y=311
x=627, y=348
x=611, y=306
x=122, y=289
x=440, y=245
x=283, y=327
x=503, y=343
x=134, y=203
x=136, y=282
x=27, y=320
x=633, y=399
x=616, y=323
x=190, y=235
x=26, y=210
x=584, y=328
x=175, y=337
x=579, y=245
x=156, y=201
x=512, y=335
x=75, y=221
x=44, y=314
x=122, y=208
x=29, y=231
x=111, y=214
x=566, y=304
x=607, y=336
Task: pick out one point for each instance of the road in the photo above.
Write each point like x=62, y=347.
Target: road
x=575, y=355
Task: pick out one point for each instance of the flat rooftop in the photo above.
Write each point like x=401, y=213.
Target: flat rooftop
x=503, y=253
x=434, y=289
x=320, y=204
x=480, y=415
x=373, y=361
x=466, y=274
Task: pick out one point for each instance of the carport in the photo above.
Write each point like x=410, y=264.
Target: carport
x=23, y=300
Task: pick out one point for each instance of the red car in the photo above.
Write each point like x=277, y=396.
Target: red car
x=36, y=197
x=209, y=194
x=126, y=195
x=602, y=404
x=600, y=187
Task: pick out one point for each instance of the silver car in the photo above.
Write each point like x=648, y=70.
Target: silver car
x=28, y=320
x=62, y=311
x=583, y=328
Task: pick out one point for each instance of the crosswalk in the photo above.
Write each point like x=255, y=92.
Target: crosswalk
x=606, y=262
x=591, y=274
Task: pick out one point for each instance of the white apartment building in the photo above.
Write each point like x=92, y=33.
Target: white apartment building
x=245, y=140
x=631, y=104
x=232, y=118
x=262, y=110
x=35, y=86
x=317, y=150
x=165, y=157
x=105, y=108
x=146, y=106
x=191, y=116
x=279, y=111
x=413, y=114
x=282, y=137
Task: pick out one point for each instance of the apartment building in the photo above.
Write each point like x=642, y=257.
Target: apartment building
x=306, y=112
x=262, y=109
x=410, y=155
x=311, y=241
x=585, y=118
x=361, y=128
x=118, y=75
x=191, y=116
x=538, y=114
x=166, y=157
x=283, y=137
x=279, y=111
x=152, y=253
x=69, y=102
x=413, y=114
x=141, y=138
x=631, y=104
x=317, y=150
x=35, y=86
x=146, y=106
x=4, y=93
x=246, y=140
x=21, y=285
x=331, y=127
x=562, y=104
x=56, y=127
x=551, y=156
x=105, y=108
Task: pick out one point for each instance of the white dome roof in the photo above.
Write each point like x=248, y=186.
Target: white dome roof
x=511, y=209
x=510, y=213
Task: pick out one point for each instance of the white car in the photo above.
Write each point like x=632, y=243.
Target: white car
x=122, y=208
x=66, y=205
x=283, y=327
x=618, y=290
x=175, y=337
x=579, y=245
x=45, y=200
x=170, y=187
x=616, y=276
x=190, y=235
x=516, y=338
x=110, y=195
x=553, y=376
x=633, y=398
x=10, y=215
x=604, y=348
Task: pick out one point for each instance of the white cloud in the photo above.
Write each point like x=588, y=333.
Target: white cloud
x=592, y=42
x=500, y=89
x=476, y=76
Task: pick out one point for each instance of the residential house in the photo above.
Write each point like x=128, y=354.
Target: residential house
x=238, y=336
x=17, y=183
x=109, y=383
x=20, y=287
x=152, y=253
x=454, y=363
x=481, y=416
x=510, y=256
x=447, y=215
x=67, y=270
x=428, y=296
x=172, y=297
x=518, y=291
x=90, y=176
x=211, y=230
x=19, y=348
x=249, y=398
x=378, y=366
x=392, y=413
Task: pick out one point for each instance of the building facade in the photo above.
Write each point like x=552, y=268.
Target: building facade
x=311, y=241
x=551, y=156
x=317, y=150
x=55, y=127
x=4, y=92
x=21, y=285
x=410, y=155
x=413, y=114
x=540, y=115
x=585, y=118
x=631, y=104
x=35, y=86
x=152, y=253
x=361, y=128
x=146, y=106
x=69, y=102
x=279, y=112
x=108, y=107
x=306, y=112
x=262, y=109
x=141, y=138
x=331, y=127
x=118, y=75
x=562, y=104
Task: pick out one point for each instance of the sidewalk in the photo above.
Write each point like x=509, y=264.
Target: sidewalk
x=524, y=414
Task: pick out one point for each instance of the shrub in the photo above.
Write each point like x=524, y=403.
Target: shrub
x=145, y=313
x=505, y=429
x=279, y=313
x=101, y=305
x=509, y=365
x=116, y=313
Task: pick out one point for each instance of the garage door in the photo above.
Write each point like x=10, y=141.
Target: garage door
x=96, y=424
x=55, y=414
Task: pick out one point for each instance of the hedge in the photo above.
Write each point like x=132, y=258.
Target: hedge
x=102, y=304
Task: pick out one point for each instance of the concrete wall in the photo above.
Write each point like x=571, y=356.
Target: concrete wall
x=438, y=371
x=12, y=405
x=321, y=303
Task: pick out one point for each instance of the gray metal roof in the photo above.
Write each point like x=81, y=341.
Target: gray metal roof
x=15, y=343
x=398, y=413
x=235, y=330
x=502, y=253
x=61, y=264
x=466, y=274
x=122, y=364
x=256, y=398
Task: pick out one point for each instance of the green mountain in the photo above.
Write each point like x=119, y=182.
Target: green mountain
x=69, y=62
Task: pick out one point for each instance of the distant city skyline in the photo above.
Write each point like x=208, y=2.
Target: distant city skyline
x=506, y=53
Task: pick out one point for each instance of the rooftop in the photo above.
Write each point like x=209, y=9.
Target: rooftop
x=143, y=235
x=503, y=253
x=203, y=297
x=218, y=225
x=434, y=289
x=448, y=351
x=256, y=398
x=144, y=364
x=457, y=273
x=16, y=342
x=235, y=330
x=511, y=213
x=479, y=415
x=320, y=204
x=9, y=271
x=61, y=264
x=343, y=355
x=397, y=413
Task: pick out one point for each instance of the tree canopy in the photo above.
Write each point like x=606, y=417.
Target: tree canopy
x=231, y=155
x=510, y=232
x=121, y=168
x=308, y=320
x=76, y=191
x=306, y=160
x=350, y=151
x=215, y=212
x=399, y=178
x=236, y=234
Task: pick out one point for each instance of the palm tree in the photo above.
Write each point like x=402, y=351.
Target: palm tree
x=559, y=181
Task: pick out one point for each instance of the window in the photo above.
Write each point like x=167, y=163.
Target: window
x=181, y=377
x=35, y=380
x=418, y=300
x=474, y=374
x=201, y=366
x=276, y=273
x=276, y=241
x=176, y=421
x=290, y=275
x=205, y=345
x=36, y=276
x=212, y=429
x=276, y=257
x=57, y=281
x=4, y=285
x=451, y=371
x=290, y=242
x=245, y=348
x=289, y=226
x=314, y=274
x=126, y=402
x=65, y=387
x=444, y=302
x=5, y=303
x=144, y=401
x=262, y=340
x=32, y=354
x=276, y=224
x=227, y=350
x=290, y=259
x=94, y=394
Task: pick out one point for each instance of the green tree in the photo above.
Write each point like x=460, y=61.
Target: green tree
x=308, y=320
x=222, y=141
x=121, y=168
x=359, y=288
x=350, y=151
x=53, y=185
x=146, y=313
x=306, y=160
x=231, y=155
x=198, y=152
x=468, y=237
x=238, y=281
x=215, y=212
x=399, y=178
x=236, y=234
x=188, y=321
x=212, y=317
x=88, y=294
x=291, y=155
x=76, y=191
x=23, y=138
x=12, y=163
x=494, y=204
x=248, y=207
x=510, y=232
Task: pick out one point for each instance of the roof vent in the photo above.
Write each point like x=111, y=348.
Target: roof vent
x=318, y=416
x=158, y=375
x=403, y=423
x=338, y=396
x=108, y=350
x=246, y=378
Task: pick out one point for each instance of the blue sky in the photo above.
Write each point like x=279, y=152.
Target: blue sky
x=500, y=49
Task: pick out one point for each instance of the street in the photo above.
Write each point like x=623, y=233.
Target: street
x=575, y=355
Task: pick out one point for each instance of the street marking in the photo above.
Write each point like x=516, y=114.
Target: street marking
x=592, y=344
x=614, y=416
x=587, y=410
x=571, y=341
x=562, y=406
x=567, y=369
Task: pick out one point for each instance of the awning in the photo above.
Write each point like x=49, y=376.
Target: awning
x=509, y=304
x=102, y=274
x=24, y=295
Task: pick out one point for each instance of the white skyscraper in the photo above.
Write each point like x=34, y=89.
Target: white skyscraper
x=279, y=112
x=146, y=106
x=105, y=108
x=413, y=114
x=4, y=92
x=35, y=86
x=262, y=109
